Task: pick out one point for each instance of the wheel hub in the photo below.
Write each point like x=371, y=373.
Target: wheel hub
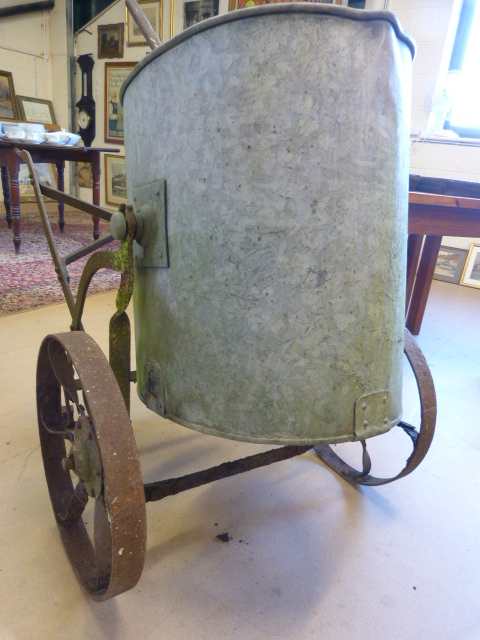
x=84, y=458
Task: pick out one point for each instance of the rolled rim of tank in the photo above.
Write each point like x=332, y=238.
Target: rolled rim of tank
x=280, y=8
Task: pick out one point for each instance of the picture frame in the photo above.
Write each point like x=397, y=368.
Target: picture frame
x=153, y=10
x=115, y=179
x=450, y=264
x=46, y=175
x=111, y=38
x=115, y=74
x=186, y=13
x=84, y=175
x=36, y=110
x=243, y=4
x=8, y=100
x=471, y=272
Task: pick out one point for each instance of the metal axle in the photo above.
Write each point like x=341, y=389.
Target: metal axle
x=172, y=486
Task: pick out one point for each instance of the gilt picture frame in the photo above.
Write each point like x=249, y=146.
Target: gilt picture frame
x=36, y=110
x=471, y=272
x=186, y=13
x=243, y=4
x=115, y=179
x=115, y=74
x=450, y=264
x=46, y=175
x=8, y=100
x=110, y=40
x=153, y=11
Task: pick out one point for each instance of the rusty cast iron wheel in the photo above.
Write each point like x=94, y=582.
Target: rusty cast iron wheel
x=421, y=439
x=89, y=453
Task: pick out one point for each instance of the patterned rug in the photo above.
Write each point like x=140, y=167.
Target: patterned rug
x=28, y=280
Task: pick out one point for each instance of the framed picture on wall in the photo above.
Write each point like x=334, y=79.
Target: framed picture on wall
x=84, y=175
x=450, y=264
x=115, y=74
x=471, y=273
x=110, y=40
x=242, y=4
x=153, y=11
x=46, y=176
x=36, y=110
x=8, y=101
x=115, y=179
x=186, y=13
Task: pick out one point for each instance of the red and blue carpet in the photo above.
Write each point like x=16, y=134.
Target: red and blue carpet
x=28, y=280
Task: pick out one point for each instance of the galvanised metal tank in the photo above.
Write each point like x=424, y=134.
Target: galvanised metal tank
x=267, y=157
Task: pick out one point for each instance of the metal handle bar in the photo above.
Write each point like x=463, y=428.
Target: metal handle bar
x=143, y=24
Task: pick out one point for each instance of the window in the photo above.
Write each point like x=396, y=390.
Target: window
x=464, y=74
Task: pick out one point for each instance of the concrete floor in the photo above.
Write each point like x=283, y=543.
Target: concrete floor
x=309, y=556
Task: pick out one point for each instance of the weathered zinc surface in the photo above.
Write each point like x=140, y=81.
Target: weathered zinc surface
x=282, y=138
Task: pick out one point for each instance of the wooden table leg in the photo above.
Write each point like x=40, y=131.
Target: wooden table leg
x=15, y=206
x=414, y=248
x=96, y=192
x=423, y=282
x=61, y=187
x=6, y=197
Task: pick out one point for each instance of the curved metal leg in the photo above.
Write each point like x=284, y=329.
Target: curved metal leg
x=421, y=440
x=89, y=441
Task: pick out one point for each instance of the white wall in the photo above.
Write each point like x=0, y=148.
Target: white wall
x=432, y=24
x=27, y=57
x=33, y=48
x=59, y=64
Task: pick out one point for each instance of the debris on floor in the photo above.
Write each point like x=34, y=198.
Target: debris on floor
x=224, y=537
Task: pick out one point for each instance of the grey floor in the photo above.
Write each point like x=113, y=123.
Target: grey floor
x=309, y=556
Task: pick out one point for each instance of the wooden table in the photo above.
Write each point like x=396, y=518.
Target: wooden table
x=10, y=167
x=437, y=207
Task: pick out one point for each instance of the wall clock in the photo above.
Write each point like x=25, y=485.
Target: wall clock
x=86, y=104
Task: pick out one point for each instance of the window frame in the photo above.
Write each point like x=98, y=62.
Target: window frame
x=457, y=58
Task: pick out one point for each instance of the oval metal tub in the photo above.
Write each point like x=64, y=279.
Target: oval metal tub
x=267, y=151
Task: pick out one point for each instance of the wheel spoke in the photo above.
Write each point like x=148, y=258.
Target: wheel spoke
x=77, y=503
x=63, y=371
x=103, y=543
x=102, y=454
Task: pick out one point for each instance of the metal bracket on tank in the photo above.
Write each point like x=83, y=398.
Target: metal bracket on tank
x=150, y=248
x=372, y=413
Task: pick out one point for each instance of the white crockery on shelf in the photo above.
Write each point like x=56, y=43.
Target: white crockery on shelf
x=74, y=138
x=57, y=137
x=15, y=134
x=13, y=131
x=34, y=137
x=33, y=127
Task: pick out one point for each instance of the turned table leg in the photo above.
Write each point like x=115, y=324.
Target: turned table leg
x=96, y=192
x=415, y=243
x=15, y=207
x=6, y=197
x=61, y=187
x=421, y=288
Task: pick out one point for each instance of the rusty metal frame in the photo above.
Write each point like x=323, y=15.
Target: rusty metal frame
x=99, y=432
x=122, y=261
x=421, y=439
x=158, y=490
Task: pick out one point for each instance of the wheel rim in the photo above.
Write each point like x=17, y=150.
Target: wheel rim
x=421, y=440
x=89, y=453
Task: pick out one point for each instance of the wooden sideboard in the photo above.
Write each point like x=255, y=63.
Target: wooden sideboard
x=10, y=166
x=437, y=207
